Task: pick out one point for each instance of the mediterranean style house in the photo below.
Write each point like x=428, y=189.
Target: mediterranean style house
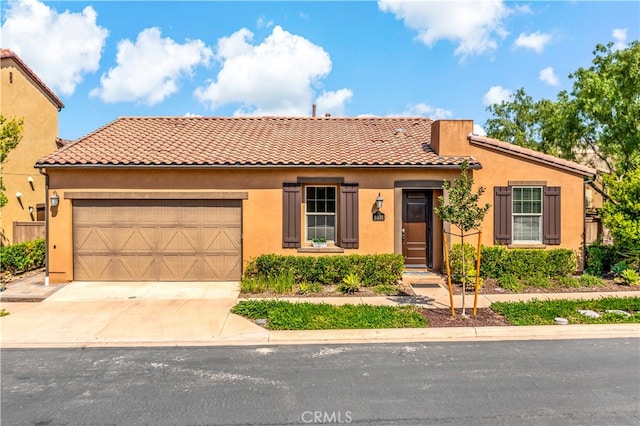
x=24, y=96
x=193, y=199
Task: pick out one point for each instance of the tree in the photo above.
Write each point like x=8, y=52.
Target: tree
x=10, y=136
x=622, y=217
x=597, y=122
x=462, y=210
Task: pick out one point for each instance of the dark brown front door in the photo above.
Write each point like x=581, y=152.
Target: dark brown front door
x=417, y=213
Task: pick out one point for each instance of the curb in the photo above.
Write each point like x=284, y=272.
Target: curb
x=391, y=335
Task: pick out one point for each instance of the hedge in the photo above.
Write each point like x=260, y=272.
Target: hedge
x=23, y=257
x=373, y=270
x=499, y=261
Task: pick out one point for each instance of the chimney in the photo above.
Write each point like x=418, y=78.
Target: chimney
x=313, y=110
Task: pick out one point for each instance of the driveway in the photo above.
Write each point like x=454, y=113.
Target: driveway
x=129, y=313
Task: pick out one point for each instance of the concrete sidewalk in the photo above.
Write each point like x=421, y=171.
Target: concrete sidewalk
x=84, y=314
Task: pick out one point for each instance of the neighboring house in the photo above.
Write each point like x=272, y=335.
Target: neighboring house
x=175, y=199
x=24, y=96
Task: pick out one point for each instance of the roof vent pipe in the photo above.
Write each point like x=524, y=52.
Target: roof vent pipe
x=327, y=114
x=313, y=110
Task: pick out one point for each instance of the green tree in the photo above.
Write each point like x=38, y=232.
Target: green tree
x=10, y=136
x=598, y=121
x=621, y=214
x=462, y=210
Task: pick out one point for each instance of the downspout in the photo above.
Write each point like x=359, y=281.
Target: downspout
x=46, y=227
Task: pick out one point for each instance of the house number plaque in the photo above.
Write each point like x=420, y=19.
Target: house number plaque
x=378, y=216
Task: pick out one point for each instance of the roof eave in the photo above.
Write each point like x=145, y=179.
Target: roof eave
x=476, y=166
x=565, y=165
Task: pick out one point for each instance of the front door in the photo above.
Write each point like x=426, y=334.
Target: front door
x=417, y=224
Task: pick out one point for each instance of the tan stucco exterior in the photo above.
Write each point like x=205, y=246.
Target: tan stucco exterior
x=24, y=98
x=501, y=169
x=262, y=208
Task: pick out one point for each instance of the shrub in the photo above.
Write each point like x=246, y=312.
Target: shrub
x=23, y=257
x=497, y=261
x=587, y=280
x=630, y=277
x=599, y=259
x=455, y=260
x=510, y=282
x=328, y=270
x=350, y=284
x=253, y=285
x=538, y=280
x=567, y=281
x=492, y=261
x=308, y=288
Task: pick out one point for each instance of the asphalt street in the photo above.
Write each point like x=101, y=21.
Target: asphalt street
x=585, y=382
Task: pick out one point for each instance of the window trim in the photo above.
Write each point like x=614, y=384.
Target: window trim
x=540, y=215
x=334, y=214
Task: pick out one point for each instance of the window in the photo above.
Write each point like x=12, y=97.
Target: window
x=527, y=214
x=330, y=211
x=320, y=214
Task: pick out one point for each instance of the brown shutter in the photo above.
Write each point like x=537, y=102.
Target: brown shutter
x=291, y=213
x=349, y=215
x=502, y=214
x=551, y=222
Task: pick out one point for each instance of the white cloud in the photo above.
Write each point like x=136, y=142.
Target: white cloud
x=191, y=114
x=496, y=95
x=620, y=37
x=264, y=23
x=333, y=102
x=60, y=47
x=149, y=70
x=536, y=41
x=549, y=77
x=479, y=130
x=423, y=110
x=276, y=77
x=474, y=26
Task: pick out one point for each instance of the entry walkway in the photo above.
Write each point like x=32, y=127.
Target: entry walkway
x=170, y=314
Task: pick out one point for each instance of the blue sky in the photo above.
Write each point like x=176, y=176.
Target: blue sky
x=364, y=58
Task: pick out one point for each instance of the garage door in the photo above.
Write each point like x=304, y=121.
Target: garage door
x=157, y=240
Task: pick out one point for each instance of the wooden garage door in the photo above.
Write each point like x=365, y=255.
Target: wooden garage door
x=157, y=240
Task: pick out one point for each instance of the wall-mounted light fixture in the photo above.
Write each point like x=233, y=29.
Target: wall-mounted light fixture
x=54, y=199
x=30, y=179
x=31, y=210
x=379, y=201
x=18, y=194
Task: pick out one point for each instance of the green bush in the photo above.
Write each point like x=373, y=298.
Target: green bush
x=350, y=284
x=455, y=261
x=498, y=261
x=329, y=270
x=568, y=281
x=386, y=289
x=537, y=280
x=23, y=257
x=599, y=259
x=630, y=277
x=309, y=288
x=587, y=280
x=510, y=282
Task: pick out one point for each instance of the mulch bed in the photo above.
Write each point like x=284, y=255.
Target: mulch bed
x=484, y=317
x=490, y=286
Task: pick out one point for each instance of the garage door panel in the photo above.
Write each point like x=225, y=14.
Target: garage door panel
x=149, y=240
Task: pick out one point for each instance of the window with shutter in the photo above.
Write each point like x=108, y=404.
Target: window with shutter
x=527, y=215
x=325, y=215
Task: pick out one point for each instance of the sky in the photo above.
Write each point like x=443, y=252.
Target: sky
x=437, y=59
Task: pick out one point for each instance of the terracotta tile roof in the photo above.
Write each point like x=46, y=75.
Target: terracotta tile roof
x=9, y=54
x=255, y=141
x=530, y=154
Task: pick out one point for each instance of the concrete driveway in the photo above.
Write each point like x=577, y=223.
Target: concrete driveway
x=127, y=313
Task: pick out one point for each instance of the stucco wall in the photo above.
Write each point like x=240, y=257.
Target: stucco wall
x=21, y=98
x=262, y=210
x=498, y=169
